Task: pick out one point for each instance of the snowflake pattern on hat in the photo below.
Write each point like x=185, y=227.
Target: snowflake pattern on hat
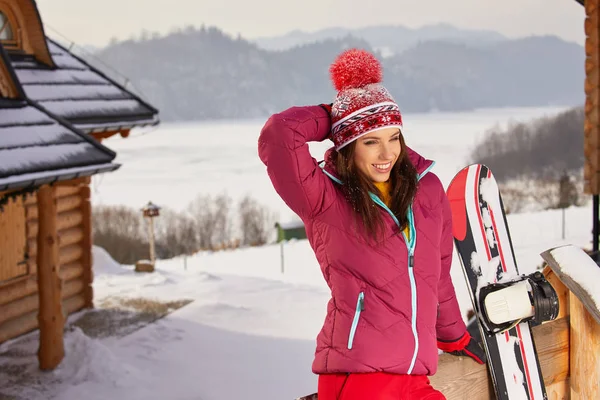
x=341, y=105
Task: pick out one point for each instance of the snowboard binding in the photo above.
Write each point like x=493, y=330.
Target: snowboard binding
x=505, y=305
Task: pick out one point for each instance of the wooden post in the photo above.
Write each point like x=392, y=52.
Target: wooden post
x=282, y=260
x=591, y=126
x=86, y=258
x=50, y=317
x=151, y=234
x=585, y=352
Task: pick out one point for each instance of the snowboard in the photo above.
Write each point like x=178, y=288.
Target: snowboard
x=485, y=250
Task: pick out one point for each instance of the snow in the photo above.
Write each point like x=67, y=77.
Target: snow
x=52, y=156
x=120, y=108
x=249, y=331
x=53, y=77
x=74, y=92
x=22, y=116
x=14, y=181
x=21, y=136
x=581, y=268
x=104, y=264
x=514, y=386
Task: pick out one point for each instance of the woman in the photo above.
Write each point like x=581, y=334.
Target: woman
x=380, y=225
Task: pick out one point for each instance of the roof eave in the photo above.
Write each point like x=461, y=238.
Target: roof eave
x=37, y=179
x=115, y=126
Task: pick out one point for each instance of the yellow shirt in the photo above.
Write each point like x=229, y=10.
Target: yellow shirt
x=384, y=188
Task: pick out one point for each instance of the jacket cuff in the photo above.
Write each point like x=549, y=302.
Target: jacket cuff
x=455, y=345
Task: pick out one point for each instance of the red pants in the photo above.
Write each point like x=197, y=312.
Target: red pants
x=376, y=386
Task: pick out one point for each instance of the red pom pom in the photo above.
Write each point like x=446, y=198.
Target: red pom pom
x=354, y=69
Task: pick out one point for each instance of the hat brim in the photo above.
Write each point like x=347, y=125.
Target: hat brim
x=400, y=127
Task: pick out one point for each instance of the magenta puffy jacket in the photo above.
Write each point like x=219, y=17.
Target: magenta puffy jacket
x=390, y=302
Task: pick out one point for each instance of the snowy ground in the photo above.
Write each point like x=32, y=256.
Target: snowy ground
x=249, y=331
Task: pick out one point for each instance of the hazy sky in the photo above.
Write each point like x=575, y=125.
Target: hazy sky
x=95, y=22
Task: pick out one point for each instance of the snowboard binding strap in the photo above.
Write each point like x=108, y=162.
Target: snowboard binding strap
x=504, y=305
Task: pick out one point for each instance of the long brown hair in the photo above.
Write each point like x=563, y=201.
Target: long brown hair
x=356, y=187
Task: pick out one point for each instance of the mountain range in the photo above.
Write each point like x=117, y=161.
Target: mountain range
x=388, y=39
x=204, y=73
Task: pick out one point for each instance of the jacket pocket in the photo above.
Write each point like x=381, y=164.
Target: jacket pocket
x=360, y=307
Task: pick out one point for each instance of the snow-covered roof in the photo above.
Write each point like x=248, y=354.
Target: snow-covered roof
x=81, y=94
x=36, y=148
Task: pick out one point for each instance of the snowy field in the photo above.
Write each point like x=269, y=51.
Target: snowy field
x=172, y=164
x=249, y=332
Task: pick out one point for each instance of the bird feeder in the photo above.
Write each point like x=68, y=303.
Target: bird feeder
x=150, y=211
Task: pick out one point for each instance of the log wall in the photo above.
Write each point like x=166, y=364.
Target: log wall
x=19, y=301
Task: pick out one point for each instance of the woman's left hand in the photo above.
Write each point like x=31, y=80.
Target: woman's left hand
x=465, y=346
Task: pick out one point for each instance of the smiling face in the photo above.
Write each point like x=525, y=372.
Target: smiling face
x=376, y=153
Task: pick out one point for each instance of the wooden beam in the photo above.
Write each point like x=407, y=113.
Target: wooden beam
x=70, y=254
x=585, y=350
x=66, y=220
x=18, y=307
x=74, y=303
x=86, y=246
x=72, y=287
x=13, y=241
x=65, y=203
x=65, y=238
x=99, y=136
x=591, y=127
x=8, y=87
x=71, y=271
x=574, y=287
x=51, y=319
x=18, y=326
x=21, y=287
x=559, y=390
x=561, y=291
x=463, y=378
x=63, y=185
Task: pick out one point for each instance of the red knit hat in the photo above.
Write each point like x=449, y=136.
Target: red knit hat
x=362, y=104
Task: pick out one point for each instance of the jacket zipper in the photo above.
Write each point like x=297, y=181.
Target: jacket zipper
x=410, y=244
x=360, y=306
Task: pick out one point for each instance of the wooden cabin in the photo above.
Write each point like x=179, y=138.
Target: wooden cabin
x=54, y=111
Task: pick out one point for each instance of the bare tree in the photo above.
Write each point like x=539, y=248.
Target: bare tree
x=222, y=232
x=175, y=234
x=120, y=231
x=201, y=210
x=255, y=222
x=542, y=148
